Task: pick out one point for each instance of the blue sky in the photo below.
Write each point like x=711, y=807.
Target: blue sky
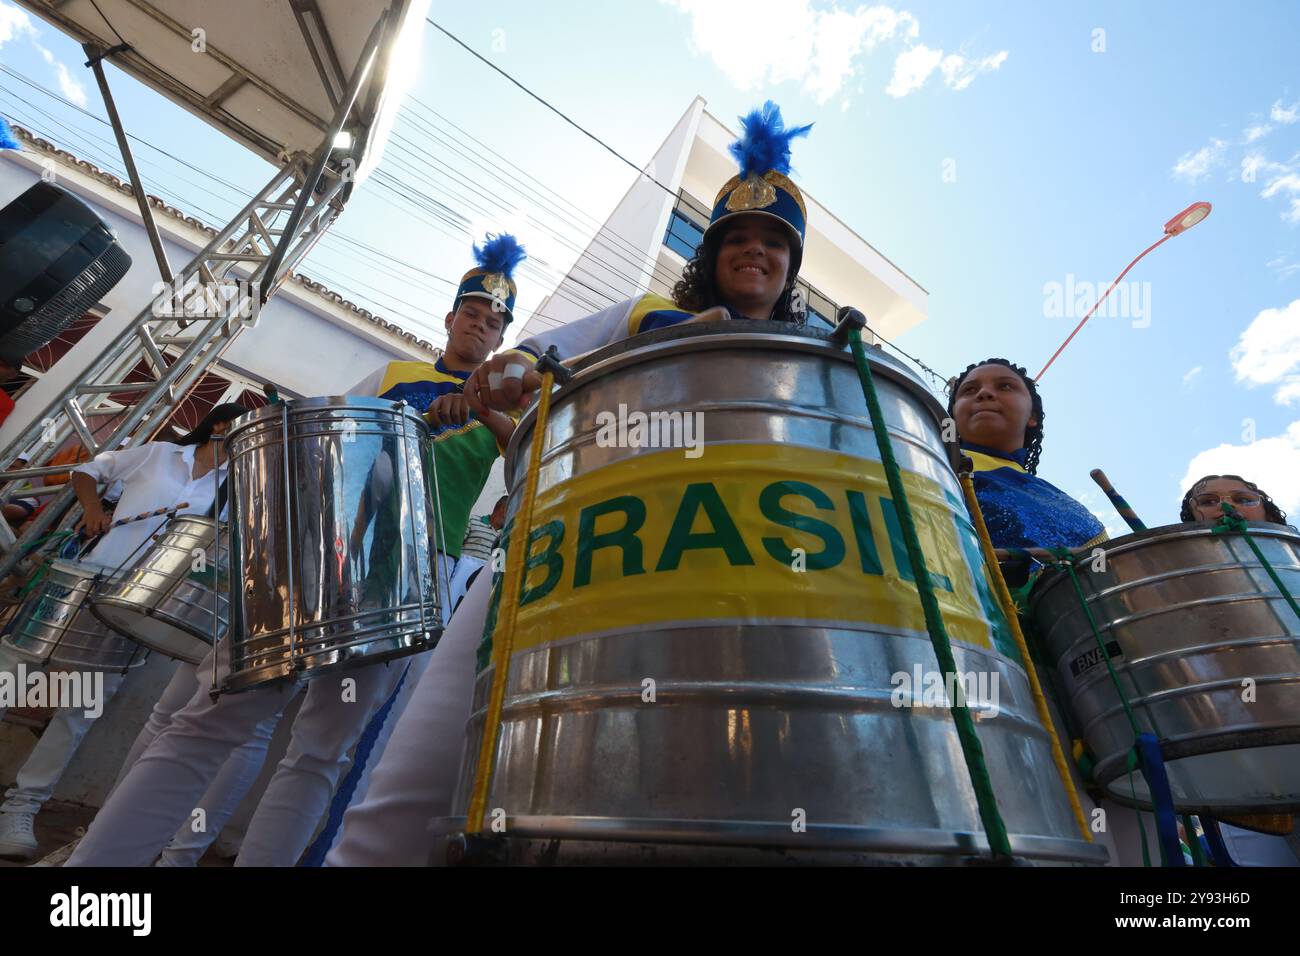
x=990, y=150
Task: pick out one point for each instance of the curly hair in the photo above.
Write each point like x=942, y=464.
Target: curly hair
x=1033, y=439
x=697, y=289
x=1271, y=511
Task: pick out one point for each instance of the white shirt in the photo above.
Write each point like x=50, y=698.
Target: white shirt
x=153, y=475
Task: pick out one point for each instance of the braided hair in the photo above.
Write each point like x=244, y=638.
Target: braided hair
x=697, y=289
x=1033, y=439
x=1271, y=511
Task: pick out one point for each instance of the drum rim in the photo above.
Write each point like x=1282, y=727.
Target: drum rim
x=708, y=336
x=319, y=403
x=1133, y=540
x=838, y=837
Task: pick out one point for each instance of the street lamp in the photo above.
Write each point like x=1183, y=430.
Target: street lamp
x=1176, y=226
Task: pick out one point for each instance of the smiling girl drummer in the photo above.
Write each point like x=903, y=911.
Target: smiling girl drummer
x=745, y=268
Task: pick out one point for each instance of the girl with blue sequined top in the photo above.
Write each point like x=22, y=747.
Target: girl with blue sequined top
x=999, y=416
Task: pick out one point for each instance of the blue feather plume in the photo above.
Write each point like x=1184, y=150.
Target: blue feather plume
x=765, y=144
x=7, y=138
x=500, y=254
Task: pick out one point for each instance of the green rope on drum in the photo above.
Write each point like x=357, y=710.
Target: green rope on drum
x=972, y=751
x=1194, y=842
x=1133, y=758
x=1233, y=522
x=44, y=569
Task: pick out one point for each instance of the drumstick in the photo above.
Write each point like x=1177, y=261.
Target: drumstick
x=150, y=514
x=1125, y=510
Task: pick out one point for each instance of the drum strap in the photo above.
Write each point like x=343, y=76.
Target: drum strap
x=1233, y=522
x=219, y=502
x=971, y=749
x=1013, y=621
x=1146, y=747
x=508, y=612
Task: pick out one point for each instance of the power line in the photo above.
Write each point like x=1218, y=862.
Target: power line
x=585, y=132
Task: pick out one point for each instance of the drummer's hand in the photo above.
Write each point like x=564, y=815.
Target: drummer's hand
x=94, y=522
x=502, y=383
x=450, y=409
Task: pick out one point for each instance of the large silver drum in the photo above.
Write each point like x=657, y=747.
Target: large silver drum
x=720, y=651
x=55, y=627
x=332, y=518
x=1208, y=654
x=173, y=597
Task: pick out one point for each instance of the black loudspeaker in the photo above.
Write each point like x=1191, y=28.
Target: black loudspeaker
x=57, y=259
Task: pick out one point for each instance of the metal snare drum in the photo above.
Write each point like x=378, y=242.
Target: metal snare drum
x=55, y=627
x=1208, y=654
x=682, y=689
x=162, y=600
x=331, y=522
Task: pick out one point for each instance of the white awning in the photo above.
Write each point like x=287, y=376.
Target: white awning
x=269, y=73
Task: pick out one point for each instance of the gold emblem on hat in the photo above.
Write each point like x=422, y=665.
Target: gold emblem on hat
x=754, y=193
x=496, y=285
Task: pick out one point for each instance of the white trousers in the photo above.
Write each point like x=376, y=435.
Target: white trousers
x=412, y=786
x=57, y=746
x=166, y=784
x=232, y=782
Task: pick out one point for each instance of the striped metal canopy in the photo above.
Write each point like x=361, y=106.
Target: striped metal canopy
x=269, y=73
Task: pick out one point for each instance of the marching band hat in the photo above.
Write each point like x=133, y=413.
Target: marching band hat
x=764, y=185
x=497, y=259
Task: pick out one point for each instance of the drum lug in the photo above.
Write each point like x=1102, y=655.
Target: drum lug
x=471, y=849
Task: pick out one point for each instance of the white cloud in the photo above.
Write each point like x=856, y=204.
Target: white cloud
x=759, y=43
x=1289, y=393
x=14, y=22
x=1268, y=352
x=71, y=86
x=959, y=72
x=1287, y=183
x=1257, y=131
x=1284, y=267
x=1271, y=463
x=1191, y=376
x=912, y=68
x=1284, y=114
x=1194, y=167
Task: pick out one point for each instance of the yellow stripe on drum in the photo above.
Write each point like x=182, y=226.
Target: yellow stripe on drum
x=747, y=531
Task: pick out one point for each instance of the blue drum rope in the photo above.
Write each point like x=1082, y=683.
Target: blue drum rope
x=972, y=750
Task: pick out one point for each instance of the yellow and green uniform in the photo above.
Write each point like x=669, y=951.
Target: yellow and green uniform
x=463, y=454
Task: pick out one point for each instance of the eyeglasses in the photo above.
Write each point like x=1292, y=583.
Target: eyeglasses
x=1240, y=499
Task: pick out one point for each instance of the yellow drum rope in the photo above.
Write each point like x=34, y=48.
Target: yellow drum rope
x=503, y=636
x=1013, y=621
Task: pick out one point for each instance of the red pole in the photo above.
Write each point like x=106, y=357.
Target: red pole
x=1117, y=281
